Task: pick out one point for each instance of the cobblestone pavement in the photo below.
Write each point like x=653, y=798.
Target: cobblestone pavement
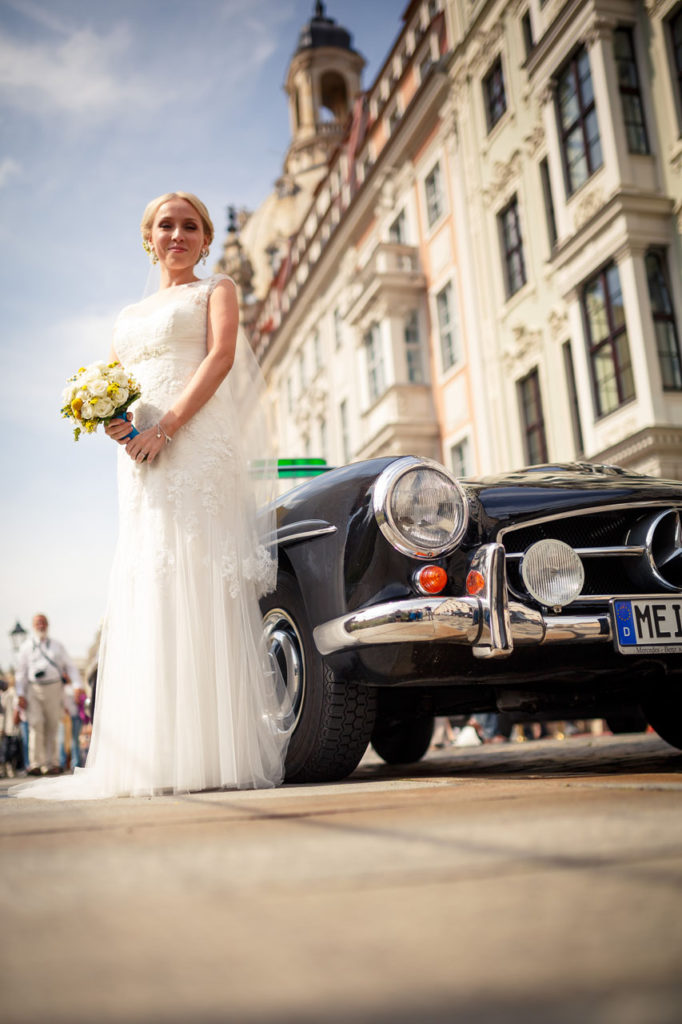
x=536, y=882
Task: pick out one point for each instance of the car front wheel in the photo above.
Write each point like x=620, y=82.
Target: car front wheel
x=333, y=719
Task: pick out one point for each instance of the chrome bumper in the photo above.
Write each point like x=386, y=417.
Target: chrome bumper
x=489, y=623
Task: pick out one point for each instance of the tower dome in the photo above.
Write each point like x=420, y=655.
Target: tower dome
x=323, y=31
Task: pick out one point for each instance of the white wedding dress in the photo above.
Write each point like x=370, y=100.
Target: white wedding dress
x=186, y=698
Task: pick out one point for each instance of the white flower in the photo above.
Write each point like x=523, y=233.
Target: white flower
x=121, y=397
x=102, y=408
x=88, y=411
x=98, y=387
x=118, y=376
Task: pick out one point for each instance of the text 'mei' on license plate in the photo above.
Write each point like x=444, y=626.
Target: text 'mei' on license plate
x=653, y=625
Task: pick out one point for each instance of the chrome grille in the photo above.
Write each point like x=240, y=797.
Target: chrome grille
x=609, y=541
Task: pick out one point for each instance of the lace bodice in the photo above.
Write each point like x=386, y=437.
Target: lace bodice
x=162, y=341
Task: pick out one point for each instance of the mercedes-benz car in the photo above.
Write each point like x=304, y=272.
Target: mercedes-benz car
x=403, y=593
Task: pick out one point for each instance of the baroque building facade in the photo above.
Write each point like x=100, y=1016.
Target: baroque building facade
x=478, y=258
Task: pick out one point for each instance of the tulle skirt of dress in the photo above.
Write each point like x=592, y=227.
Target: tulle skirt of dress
x=186, y=696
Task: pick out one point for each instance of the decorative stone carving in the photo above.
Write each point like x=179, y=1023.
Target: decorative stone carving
x=547, y=93
x=600, y=29
x=535, y=139
x=558, y=323
x=484, y=50
x=503, y=176
x=589, y=205
x=524, y=346
x=312, y=405
x=654, y=6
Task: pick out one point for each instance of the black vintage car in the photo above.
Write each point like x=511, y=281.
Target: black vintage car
x=403, y=593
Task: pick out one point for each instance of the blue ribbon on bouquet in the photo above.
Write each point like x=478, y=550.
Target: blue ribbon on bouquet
x=133, y=430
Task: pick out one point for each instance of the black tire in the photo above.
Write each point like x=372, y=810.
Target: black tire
x=627, y=722
x=402, y=740
x=663, y=710
x=334, y=719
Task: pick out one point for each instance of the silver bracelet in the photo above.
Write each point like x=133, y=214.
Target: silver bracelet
x=160, y=431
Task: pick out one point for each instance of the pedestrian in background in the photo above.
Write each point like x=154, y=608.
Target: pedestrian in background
x=44, y=668
x=11, y=751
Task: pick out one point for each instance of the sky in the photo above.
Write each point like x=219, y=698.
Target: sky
x=105, y=104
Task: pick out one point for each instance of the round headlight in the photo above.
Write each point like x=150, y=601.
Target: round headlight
x=553, y=573
x=420, y=507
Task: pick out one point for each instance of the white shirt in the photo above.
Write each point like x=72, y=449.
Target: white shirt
x=33, y=665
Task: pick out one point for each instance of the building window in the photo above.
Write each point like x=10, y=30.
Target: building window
x=338, y=329
x=580, y=142
x=433, y=9
x=345, y=434
x=448, y=327
x=375, y=363
x=459, y=458
x=425, y=65
x=612, y=376
x=512, y=247
x=494, y=94
x=630, y=93
x=527, y=28
x=533, y=421
x=393, y=120
x=397, y=232
x=667, y=340
x=413, y=349
x=433, y=188
x=676, y=40
x=569, y=370
x=549, y=202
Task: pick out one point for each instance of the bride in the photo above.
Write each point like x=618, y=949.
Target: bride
x=186, y=698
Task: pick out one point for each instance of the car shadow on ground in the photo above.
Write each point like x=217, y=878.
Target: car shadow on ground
x=636, y=754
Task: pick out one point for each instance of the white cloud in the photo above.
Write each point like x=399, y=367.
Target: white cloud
x=83, y=74
x=35, y=370
x=9, y=169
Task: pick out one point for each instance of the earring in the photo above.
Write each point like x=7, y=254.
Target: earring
x=204, y=256
x=150, y=250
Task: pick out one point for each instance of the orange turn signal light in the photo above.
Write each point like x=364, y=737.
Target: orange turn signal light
x=431, y=579
x=475, y=582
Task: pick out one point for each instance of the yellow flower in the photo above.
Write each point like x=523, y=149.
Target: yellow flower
x=77, y=405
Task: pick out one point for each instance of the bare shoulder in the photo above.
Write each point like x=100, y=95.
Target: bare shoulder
x=224, y=286
x=223, y=295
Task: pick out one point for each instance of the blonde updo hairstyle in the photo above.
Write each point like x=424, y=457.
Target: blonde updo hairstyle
x=153, y=207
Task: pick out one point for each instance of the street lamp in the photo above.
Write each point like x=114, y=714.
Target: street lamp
x=17, y=637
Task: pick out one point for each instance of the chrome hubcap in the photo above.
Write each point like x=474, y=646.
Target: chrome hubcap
x=284, y=647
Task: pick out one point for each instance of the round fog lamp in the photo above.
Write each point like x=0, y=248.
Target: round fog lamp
x=553, y=573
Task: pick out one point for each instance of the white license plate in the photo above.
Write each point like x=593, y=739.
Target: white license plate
x=651, y=625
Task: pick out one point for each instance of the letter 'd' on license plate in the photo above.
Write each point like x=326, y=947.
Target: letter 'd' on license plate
x=652, y=625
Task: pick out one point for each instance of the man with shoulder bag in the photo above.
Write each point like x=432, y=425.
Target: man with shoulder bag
x=44, y=668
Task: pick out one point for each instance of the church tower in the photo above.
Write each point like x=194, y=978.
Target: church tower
x=322, y=82
x=323, y=79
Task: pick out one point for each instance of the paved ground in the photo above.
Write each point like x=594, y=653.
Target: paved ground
x=537, y=882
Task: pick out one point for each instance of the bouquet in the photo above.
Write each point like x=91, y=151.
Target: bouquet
x=96, y=394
